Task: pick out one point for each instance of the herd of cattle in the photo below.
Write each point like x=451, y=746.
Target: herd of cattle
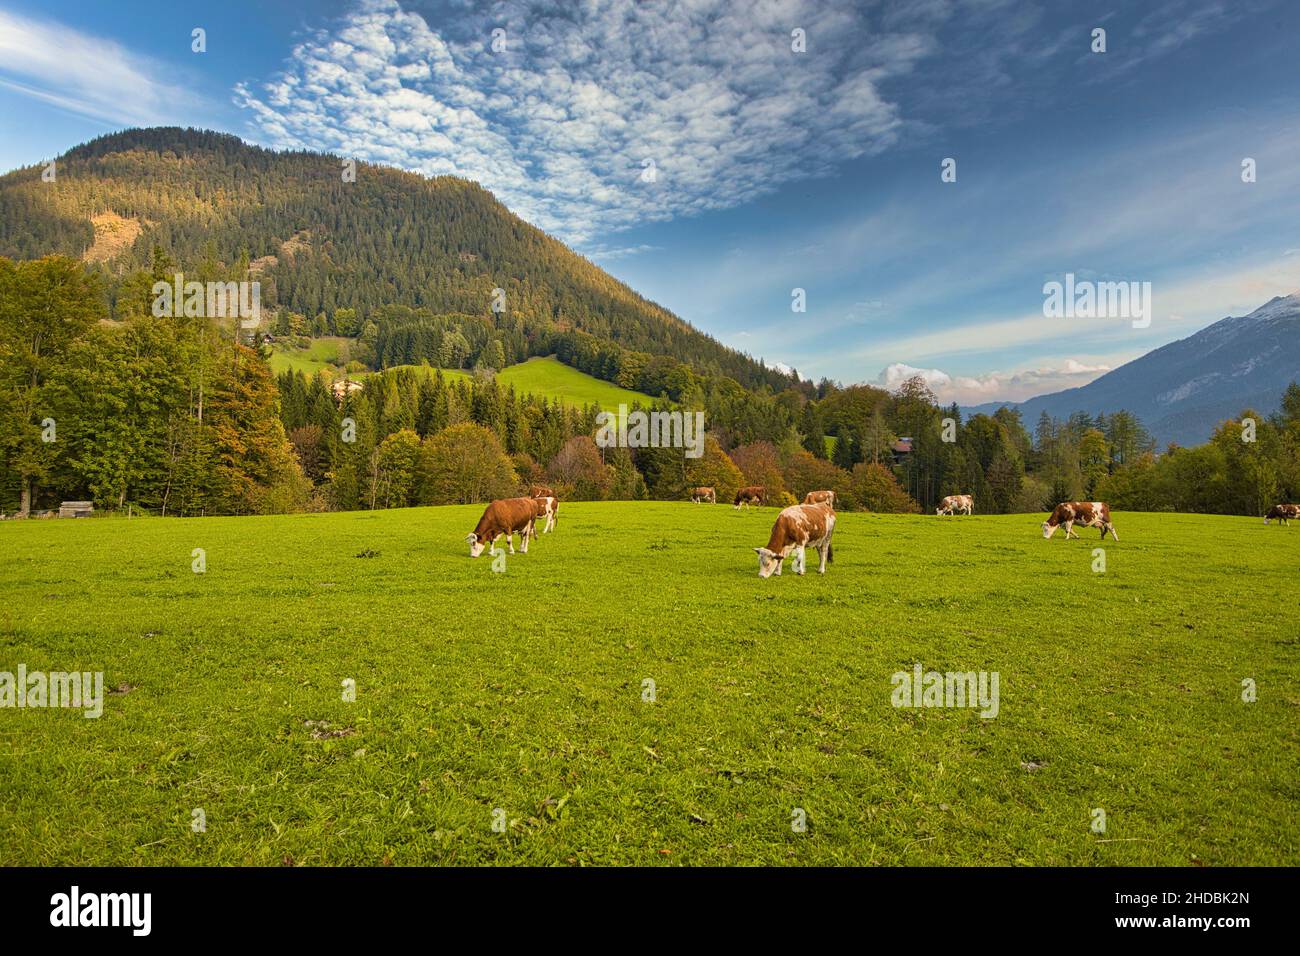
x=797, y=528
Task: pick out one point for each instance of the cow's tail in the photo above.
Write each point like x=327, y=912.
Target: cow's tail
x=830, y=552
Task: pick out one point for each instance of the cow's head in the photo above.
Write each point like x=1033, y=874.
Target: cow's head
x=939, y=510
x=1049, y=529
x=475, y=545
x=768, y=562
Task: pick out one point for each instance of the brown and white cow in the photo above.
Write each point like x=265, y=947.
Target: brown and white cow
x=796, y=528
x=540, y=491
x=956, y=503
x=1283, y=513
x=820, y=498
x=548, y=508
x=1090, y=514
x=704, y=493
x=505, y=516
x=753, y=495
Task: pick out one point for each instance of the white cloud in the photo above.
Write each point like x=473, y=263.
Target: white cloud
x=561, y=123
x=892, y=376
x=994, y=386
x=84, y=74
x=610, y=253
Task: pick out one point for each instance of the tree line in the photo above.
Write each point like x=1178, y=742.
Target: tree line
x=178, y=416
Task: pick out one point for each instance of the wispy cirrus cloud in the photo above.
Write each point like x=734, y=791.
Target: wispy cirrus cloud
x=611, y=253
x=1166, y=27
x=562, y=123
x=87, y=75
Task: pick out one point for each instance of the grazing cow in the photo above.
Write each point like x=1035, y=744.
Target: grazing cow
x=820, y=498
x=540, y=491
x=548, y=508
x=956, y=503
x=704, y=493
x=505, y=516
x=796, y=528
x=1283, y=513
x=1090, y=514
x=753, y=495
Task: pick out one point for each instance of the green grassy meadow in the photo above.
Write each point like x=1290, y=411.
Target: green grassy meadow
x=523, y=691
x=321, y=354
x=552, y=378
x=547, y=377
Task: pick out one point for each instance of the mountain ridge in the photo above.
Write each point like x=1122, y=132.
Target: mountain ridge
x=1184, y=388
x=389, y=237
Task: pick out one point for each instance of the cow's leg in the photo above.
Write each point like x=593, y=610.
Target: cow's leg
x=1069, y=530
x=799, y=560
x=1111, y=528
x=821, y=554
x=527, y=533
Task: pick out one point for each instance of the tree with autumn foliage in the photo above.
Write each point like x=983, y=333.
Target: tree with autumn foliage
x=760, y=463
x=875, y=488
x=806, y=472
x=464, y=464
x=714, y=469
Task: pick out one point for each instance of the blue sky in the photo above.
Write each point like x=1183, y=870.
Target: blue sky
x=773, y=170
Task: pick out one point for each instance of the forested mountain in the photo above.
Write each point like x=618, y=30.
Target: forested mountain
x=320, y=243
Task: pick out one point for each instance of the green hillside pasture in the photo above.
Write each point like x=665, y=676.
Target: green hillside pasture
x=524, y=691
x=552, y=378
x=323, y=353
x=548, y=378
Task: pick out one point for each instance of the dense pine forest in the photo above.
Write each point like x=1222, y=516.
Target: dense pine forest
x=102, y=399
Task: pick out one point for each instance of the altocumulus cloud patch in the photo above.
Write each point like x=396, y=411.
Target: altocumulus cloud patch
x=561, y=113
